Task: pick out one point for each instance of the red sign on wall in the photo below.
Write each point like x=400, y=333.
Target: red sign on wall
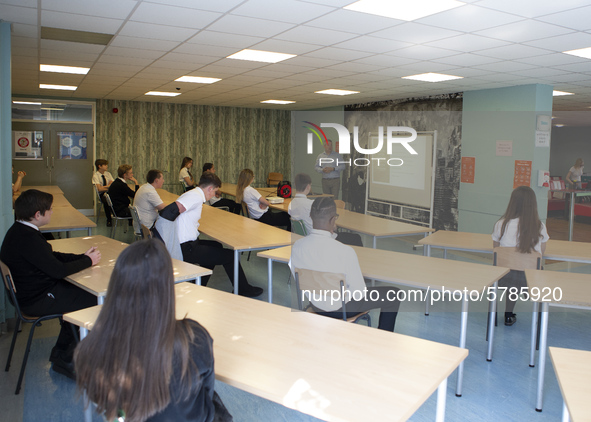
x=468, y=164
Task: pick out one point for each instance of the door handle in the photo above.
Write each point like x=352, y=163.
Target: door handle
x=52, y=162
x=47, y=162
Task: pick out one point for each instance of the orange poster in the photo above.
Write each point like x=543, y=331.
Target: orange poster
x=468, y=164
x=522, y=175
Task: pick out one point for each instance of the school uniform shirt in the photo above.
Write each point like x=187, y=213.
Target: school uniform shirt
x=319, y=251
x=187, y=223
x=299, y=209
x=184, y=173
x=336, y=158
x=251, y=197
x=97, y=178
x=575, y=174
x=510, y=237
x=146, y=200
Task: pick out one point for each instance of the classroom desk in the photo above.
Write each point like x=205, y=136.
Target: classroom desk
x=241, y=234
x=368, y=224
x=52, y=189
x=67, y=219
x=575, y=290
x=571, y=214
x=432, y=274
x=95, y=279
x=166, y=196
x=320, y=366
x=573, y=371
x=230, y=189
x=559, y=250
x=59, y=200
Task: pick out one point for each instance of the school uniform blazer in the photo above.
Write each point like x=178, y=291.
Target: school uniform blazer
x=120, y=192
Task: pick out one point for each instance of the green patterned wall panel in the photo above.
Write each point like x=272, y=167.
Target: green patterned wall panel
x=158, y=135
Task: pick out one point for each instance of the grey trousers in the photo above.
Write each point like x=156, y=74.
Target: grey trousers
x=332, y=186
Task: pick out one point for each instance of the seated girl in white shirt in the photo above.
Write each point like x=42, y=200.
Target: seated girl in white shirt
x=258, y=206
x=185, y=175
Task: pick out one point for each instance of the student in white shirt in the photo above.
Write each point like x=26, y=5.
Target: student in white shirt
x=320, y=252
x=103, y=179
x=185, y=175
x=258, y=206
x=147, y=201
x=206, y=253
x=574, y=174
x=217, y=201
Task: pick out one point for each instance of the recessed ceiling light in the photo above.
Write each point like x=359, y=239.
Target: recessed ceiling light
x=64, y=69
x=52, y=109
x=163, y=94
x=403, y=9
x=432, y=77
x=260, y=56
x=559, y=125
x=581, y=52
x=197, y=79
x=25, y=102
x=559, y=93
x=336, y=92
x=63, y=87
x=277, y=102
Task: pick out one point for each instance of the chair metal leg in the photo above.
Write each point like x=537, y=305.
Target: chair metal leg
x=114, y=228
x=16, y=328
x=25, y=358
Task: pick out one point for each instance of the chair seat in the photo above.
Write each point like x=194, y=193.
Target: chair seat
x=354, y=318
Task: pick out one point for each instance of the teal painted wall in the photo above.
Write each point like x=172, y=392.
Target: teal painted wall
x=504, y=114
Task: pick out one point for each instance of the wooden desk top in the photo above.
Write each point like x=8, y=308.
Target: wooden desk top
x=67, y=218
x=95, y=279
x=320, y=366
x=52, y=189
x=166, y=196
x=59, y=200
x=573, y=370
x=478, y=242
x=560, y=288
x=241, y=233
x=230, y=189
x=414, y=270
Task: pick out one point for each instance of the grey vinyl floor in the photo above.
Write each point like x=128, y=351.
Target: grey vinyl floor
x=501, y=390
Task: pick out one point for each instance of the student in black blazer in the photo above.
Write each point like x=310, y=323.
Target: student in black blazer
x=120, y=191
x=38, y=272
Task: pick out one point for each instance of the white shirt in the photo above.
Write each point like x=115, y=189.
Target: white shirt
x=575, y=174
x=510, y=237
x=299, y=209
x=187, y=222
x=251, y=197
x=97, y=178
x=184, y=173
x=26, y=223
x=146, y=200
x=338, y=168
x=320, y=252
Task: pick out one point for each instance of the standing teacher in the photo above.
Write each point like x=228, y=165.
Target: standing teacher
x=331, y=170
x=574, y=174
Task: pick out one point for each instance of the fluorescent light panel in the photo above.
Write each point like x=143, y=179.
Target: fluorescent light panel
x=403, y=9
x=432, y=77
x=197, y=79
x=62, y=87
x=581, y=52
x=163, y=94
x=336, y=92
x=260, y=56
x=561, y=93
x=277, y=102
x=64, y=69
x=25, y=102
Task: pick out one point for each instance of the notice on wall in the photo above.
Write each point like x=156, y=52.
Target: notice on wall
x=72, y=145
x=27, y=145
x=468, y=164
x=504, y=148
x=522, y=175
x=542, y=138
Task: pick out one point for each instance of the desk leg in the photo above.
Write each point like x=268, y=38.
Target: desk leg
x=542, y=357
x=373, y=282
x=491, y=323
x=534, y=335
x=441, y=396
x=198, y=281
x=428, y=250
x=90, y=230
x=565, y=414
x=100, y=300
x=375, y=242
x=270, y=278
x=571, y=216
x=68, y=235
x=236, y=263
x=463, y=329
x=427, y=299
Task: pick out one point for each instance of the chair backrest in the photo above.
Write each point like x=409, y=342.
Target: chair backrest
x=109, y=203
x=9, y=286
x=245, y=210
x=98, y=195
x=510, y=257
x=135, y=217
x=298, y=227
x=319, y=281
x=183, y=186
x=274, y=178
x=146, y=233
x=340, y=203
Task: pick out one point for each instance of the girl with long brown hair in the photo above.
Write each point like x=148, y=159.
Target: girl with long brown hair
x=519, y=227
x=138, y=360
x=185, y=175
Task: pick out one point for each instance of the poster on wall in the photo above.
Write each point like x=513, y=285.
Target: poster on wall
x=72, y=145
x=522, y=175
x=27, y=145
x=468, y=165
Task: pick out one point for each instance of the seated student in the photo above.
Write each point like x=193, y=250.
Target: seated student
x=217, y=200
x=103, y=179
x=16, y=186
x=120, y=192
x=300, y=205
x=206, y=253
x=258, y=206
x=185, y=175
x=138, y=361
x=320, y=252
x=147, y=201
x=39, y=272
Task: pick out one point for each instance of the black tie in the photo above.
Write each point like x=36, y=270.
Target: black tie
x=104, y=180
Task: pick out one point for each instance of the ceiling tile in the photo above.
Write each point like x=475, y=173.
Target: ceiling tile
x=422, y=52
x=187, y=58
x=122, y=59
x=284, y=11
x=576, y=18
x=467, y=43
x=116, y=9
x=22, y=30
x=133, y=52
x=70, y=47
x=249, y=26
x=468, y=18
x=211, y=5
x=310, y=35
x=564, y=42
x=288, y=47
x=80, y=22
x=173, y=16
x=505, y=66
x=513, y=51
x=552, y=59
x=525, y=30
x=466, y=60
x=338, y=54
x=529, y=8
x=415, y=33
x=24, y=15
x=162, y=32
x=354, y=22
x=372, y=44
x=221, y=39
x=143, y=43
x=207, y=50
